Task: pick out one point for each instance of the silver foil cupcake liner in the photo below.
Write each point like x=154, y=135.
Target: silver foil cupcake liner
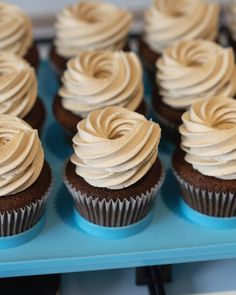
x=20, y=220
x=114, y=213
x=212, y=203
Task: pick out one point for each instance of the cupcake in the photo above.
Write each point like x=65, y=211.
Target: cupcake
x=189, y=71
x=95, y=80
x=89, y=26
x=25, y=177
x=16, y=33
x=18, y=90
x=114, y=172
x=205, y=165
x=168, y=21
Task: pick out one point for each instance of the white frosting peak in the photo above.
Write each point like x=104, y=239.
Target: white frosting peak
x=115, y=147
x=168, y=21
x=91, y=26
x=18, y=85
x=21, y=155
x=191, y=70
x=209, y=137
x=97, y=79
x=16, y=30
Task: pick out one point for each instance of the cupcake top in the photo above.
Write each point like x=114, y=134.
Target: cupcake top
x=115, y=147
x=168, y=21
x=191, y=70
x=21, y=155
x=98, y=79
x=18, y=85
x=16, y=30
x=232, y=19
x=209, y=137
x=91, y=26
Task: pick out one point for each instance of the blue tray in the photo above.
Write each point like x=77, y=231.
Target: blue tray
x=62, y=247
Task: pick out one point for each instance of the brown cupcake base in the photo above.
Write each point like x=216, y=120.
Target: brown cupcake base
x=59, y=62
x=21, y=211
x=35, y=118
x=32, y=56
x=208, y=195
x=30, y=195
x=69, y=120
x=114, y=208
x=149, y=58
x=168, y=118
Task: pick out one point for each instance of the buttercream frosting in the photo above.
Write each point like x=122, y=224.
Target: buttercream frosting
x=191, y=70
x=91, y=26
x=98, y=79
x=18, y=85
x=115, y=147
x=21, y=155
x=168, y=21
x=209, y=137
x=16, y=30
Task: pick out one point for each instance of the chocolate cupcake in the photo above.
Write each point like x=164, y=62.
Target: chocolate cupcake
x=189, y=71
x=168, y=21
x=205, y=166
x=25, y=176
x=114, y=173
x=16, y=34
x=18, y=90
x=88, y=26
x=97, y=79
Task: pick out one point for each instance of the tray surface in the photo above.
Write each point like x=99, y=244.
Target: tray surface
x=62, y=247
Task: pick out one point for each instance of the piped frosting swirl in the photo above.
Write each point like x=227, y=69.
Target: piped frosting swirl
x=97, y=79
x=115, y=147
x=209, y=137
x=91, y=26
x=191, y=70
x=21, y=155
x=18, y=85
x=168, y=21
x=16, y=30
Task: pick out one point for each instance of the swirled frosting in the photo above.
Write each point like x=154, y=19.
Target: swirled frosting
x=91, y=26
x=16, y=30
x=168, y=21
x=191, y=70
x=98, y=79
x=21, y=155
x=18, y=85
x=209, y=137
x=232, y=19
x=115, y=147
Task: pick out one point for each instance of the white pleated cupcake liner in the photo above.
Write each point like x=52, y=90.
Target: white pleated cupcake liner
x=212, y=203
x=17, y=221
x=114, y=213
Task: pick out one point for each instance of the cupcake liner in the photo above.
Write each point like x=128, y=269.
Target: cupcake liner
x=114, y=213
x=20, y=220
x=217, y=204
